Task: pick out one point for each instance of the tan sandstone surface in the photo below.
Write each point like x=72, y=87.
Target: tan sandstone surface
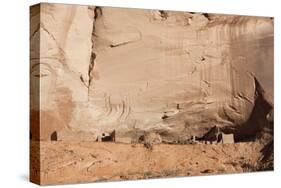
x=96, y=71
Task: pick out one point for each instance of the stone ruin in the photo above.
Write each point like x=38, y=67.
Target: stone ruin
x=227, y=138
x=106, y=137
x=213, y=136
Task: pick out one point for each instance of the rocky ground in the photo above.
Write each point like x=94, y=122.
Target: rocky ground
x=72, y=162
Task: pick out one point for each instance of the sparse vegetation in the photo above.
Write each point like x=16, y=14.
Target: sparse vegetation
x=170, y=172
x=147, y=174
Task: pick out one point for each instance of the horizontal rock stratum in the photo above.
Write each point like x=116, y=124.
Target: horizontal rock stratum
x=99, y=69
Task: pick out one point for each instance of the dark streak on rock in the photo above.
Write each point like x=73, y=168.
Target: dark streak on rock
x=120, y=44
x=163, y=14
x=207, y=16
x=97, y=15
x=98, y=12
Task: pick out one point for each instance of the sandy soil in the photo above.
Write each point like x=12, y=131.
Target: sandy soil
x=72, y=162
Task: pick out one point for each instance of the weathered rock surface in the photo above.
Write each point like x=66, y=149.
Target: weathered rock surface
x=175, y=73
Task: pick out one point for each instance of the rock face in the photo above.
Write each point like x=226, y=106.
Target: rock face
x=178, y=74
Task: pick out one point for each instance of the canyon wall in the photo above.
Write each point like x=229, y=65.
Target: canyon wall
x=179, y=74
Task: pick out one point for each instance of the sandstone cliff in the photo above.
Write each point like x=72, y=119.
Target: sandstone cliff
x=179, y=74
